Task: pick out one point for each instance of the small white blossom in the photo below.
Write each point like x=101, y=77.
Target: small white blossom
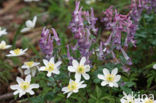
x=30, y=0
x=24, y=86
x=51, y=66
x=129, y=99
x=29, y=24
x=154, y=66
x=73, y=87
x=109, y=78
x=80, y=69
x=3, y=45
x=2, y=32
x=148, y=100
x=30, y=67
x=17, y=52
x=90, y=1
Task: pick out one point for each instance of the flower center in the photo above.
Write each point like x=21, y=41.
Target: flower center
x=2, y=46
x=24, y=85
x=17, y=51
x=72, y=86
x=149, y=101
x=29, y=64
x=50, y=67
x=81, y=69
x=110, y=78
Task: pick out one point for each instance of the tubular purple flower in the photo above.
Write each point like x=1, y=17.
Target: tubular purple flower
x=46, y=42
x=70, y=58
x=57, y=39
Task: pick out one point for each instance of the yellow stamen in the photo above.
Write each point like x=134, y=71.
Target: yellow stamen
x=17, y=51
x=50, y=67
x=81, y=69
x=25, y=85
x=29, y=64
x=149, y=101
x=110, y=78
x=72, y=86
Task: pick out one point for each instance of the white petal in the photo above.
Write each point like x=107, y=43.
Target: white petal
x=25, y=50
x=29, y=24
x=101, y=76
x=24, y=67
x=34, y=21
x=106, y=71
x=8, y=46
x=111, y=84
x=114, y=71
x=83, y=60
x=49, y=74
x=69, y=94
x=52, y=60
x=25, y=30
x=83, y=86
x=86, y=76
x=26, y=72
x=45, y=62
x=77, y=76
x=33, y=72
x=117, y=78
x=19, y=80
x=154, y=66
x=28, y=78
x=31, y=92
x=65, y=89
x=14, y=87
x=16, y=92
x=71, y=69
x=34, y=86
x=58, y=64
x=36, y=64
x=75, y=91
x=104, y=83
x=56, y=71
x=87, y=68
x=115, y=84
x=75, y=63
x=21, y=93
x=42, y=68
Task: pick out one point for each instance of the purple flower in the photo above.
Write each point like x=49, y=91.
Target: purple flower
x=46, y=42
x=82, y=32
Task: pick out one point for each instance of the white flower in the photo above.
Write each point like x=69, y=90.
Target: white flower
x=30, y=67
x=129, y=99
x=30, y=0
x=4, y=46
x=50, y=66
x=73, y=87
x=17, y=52
x=66, y=1
x=29, y=24
x=109, y=78
x=24, y=86
x=80, y=69
x=2, y=32
x=148, y=100
x=154, y=66
x=90, y=1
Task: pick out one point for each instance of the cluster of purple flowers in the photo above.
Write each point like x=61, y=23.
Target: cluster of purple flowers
x=122, y=30
x=82, y=32
x=46, y=42
x=120, y=26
